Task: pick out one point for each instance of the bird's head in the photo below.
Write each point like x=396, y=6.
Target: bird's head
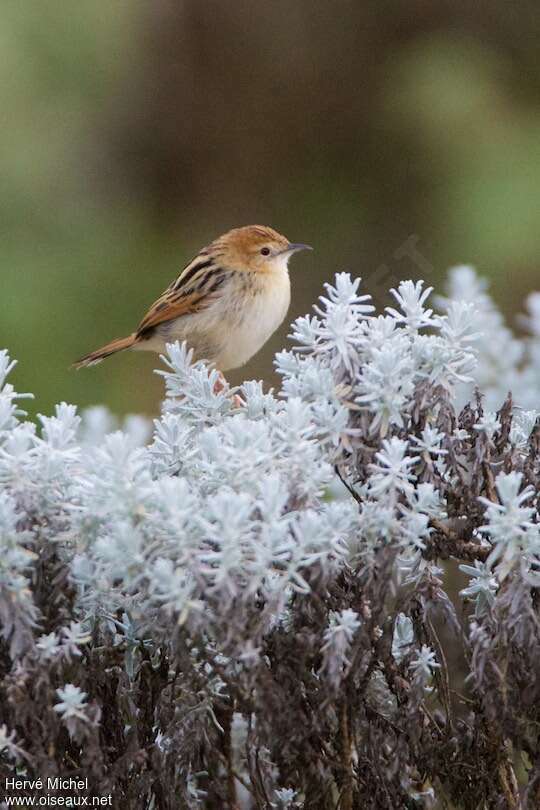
x=255, y=248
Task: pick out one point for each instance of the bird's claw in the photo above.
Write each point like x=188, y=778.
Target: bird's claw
x=221, y=384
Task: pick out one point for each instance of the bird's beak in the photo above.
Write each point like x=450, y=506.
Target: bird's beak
x=293, y=247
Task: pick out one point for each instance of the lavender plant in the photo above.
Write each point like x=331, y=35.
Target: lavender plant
x=253, y=604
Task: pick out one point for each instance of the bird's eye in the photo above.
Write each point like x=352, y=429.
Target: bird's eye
x=265, y=251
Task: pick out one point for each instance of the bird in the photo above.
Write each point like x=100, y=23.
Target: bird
x=225, y=303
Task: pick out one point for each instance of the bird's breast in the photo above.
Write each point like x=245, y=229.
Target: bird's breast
x=257, y=304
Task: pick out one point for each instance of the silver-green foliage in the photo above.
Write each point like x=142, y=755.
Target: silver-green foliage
x=203, y=618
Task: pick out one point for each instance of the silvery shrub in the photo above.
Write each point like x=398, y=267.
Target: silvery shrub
x=325, y=596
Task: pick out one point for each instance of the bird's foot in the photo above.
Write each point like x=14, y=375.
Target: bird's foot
x=221, y=384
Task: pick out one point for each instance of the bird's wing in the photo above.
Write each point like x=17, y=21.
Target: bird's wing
x=192, y=291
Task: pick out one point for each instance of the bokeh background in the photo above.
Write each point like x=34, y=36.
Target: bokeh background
x=133, y=132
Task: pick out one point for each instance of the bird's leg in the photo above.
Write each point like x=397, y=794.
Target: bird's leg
x=220, y=385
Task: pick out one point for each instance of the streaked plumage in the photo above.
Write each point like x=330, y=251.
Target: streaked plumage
x=225, y=304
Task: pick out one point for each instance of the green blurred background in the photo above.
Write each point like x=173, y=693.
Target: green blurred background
x=134, y=132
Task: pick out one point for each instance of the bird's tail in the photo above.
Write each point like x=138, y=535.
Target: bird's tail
x=110, y=348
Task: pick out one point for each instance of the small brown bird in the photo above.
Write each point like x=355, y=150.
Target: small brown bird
x=225, y=304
